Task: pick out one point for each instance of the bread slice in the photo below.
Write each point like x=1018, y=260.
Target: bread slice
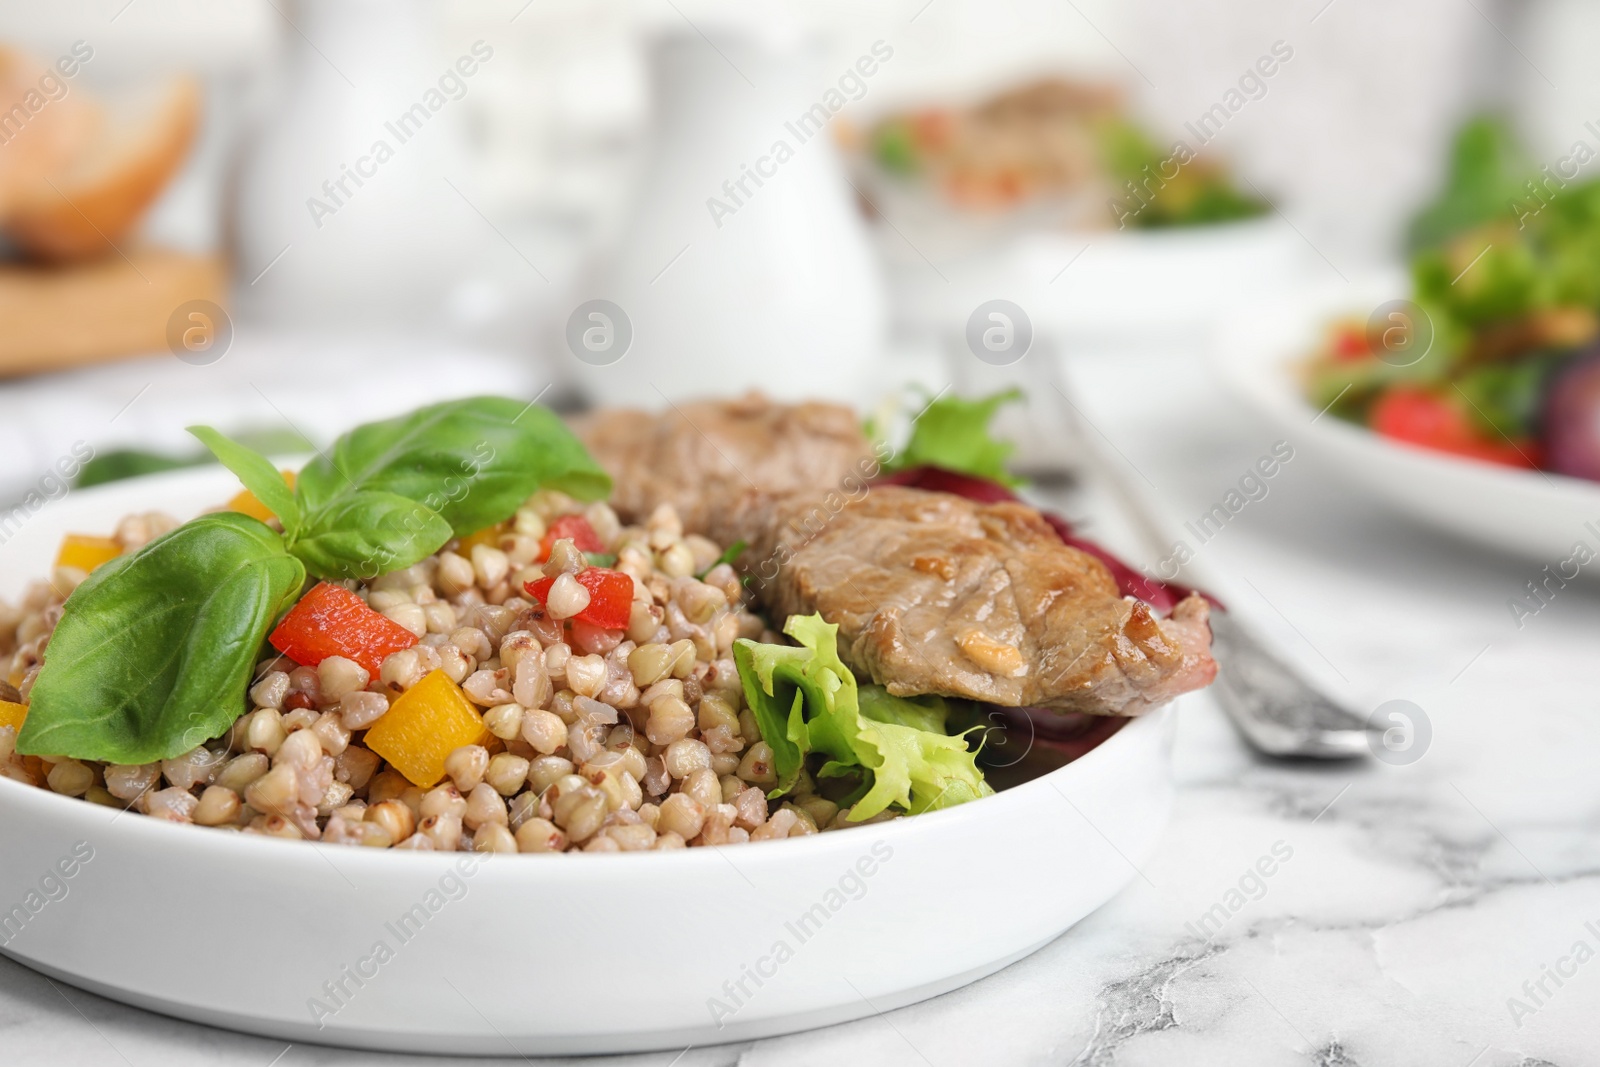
x=45, y=123
x=81, y=210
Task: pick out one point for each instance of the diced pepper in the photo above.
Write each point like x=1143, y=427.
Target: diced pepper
x=610, y=596
x=86, y=551
x=539, y=588
x=429, y=721
x=12, y=714
x=246, y=502
x=575, y=527
x=489, y=535
x=332, y=621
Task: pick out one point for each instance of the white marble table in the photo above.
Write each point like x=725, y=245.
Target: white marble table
x=1415, y=900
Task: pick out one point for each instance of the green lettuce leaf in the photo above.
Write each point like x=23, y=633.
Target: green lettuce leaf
x=1484, y=183
x=805, y=700
x=953, y=433
x=1199, y=192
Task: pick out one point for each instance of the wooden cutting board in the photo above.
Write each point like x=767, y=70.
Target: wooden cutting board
x=52, y=318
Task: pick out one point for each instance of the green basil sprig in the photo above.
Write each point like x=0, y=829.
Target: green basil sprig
x=154, y=651
x=473, y=461
x=390, y=493
x=256, y=472
x=369, y=533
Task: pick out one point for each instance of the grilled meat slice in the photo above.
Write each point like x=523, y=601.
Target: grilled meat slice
x=932, y=593
x=701, y=456
x=936, y=594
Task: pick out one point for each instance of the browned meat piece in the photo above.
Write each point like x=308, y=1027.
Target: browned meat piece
x=703, y=455
x=936, y=594
x=932, y=593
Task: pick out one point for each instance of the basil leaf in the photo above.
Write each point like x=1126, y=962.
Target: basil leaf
x=363, y=535
x=473, y=461
x=154, y=651
x=257, y=473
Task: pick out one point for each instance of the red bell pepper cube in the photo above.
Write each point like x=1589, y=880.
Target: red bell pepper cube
x=332, y=621
x=575, y=527
x=610, y=596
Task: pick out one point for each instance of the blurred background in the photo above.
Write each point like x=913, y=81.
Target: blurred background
x=285, y=216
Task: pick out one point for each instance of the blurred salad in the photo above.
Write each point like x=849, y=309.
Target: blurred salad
x=1495, y=357
x=1199, y=191
x=1056, y=139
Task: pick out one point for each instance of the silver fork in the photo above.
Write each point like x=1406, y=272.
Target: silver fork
x=1276, y=709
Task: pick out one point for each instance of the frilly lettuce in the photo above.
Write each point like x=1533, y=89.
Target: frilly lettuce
x=806, y=700
x=953, y=433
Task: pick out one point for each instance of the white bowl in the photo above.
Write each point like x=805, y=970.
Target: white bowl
x=1529, y=513
x=534, y=955
x=1111, y=289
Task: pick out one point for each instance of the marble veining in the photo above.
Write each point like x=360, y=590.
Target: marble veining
x=1137, y=1004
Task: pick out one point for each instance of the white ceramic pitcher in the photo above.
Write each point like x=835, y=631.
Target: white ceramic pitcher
x=318, y=243
x=746, y=264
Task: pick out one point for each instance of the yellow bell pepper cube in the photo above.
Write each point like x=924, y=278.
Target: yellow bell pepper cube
x=489, y=535
x=429, y=721
x=246, y=502
x=86, y=551
x=12, y=714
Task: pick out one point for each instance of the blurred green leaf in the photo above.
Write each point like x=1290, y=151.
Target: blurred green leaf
x=1505, y=396
x=123, y=463
x=1181, y=194
x=895, y=148
x=130, y=463
x=1486, y=173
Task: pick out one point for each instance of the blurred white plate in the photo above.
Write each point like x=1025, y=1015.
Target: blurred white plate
x=1530, y=513
x=538, y=955
x=1126, y=289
